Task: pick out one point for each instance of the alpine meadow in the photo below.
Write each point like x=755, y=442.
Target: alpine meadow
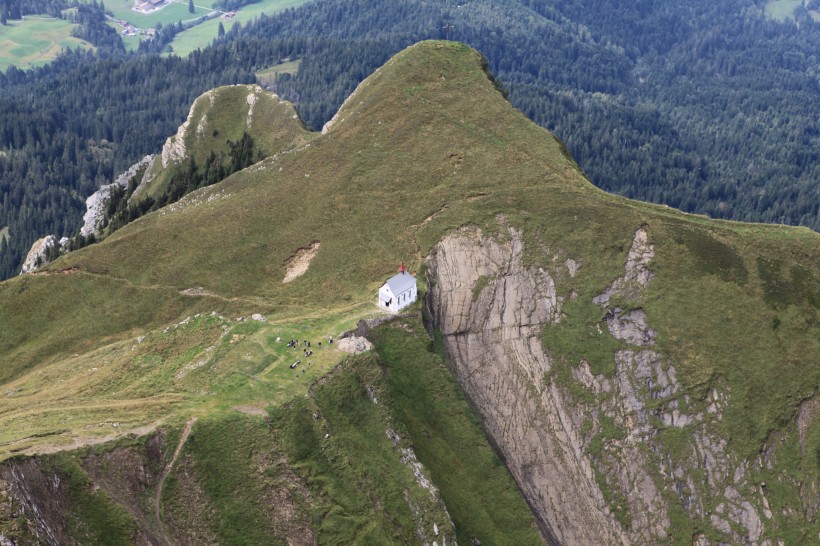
x=579, y=367
x=375, y=272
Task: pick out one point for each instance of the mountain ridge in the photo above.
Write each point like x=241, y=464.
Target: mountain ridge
x=425, y=151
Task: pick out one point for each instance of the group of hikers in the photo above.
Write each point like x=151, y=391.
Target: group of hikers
x=305, y=348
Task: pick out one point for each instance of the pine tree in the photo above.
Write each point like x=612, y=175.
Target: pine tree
x=220, y=31
x=191, y=6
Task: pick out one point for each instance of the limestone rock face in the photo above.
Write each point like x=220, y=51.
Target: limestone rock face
x=636, y=271
x=37, y=254
x=492, y=310
x=493, y=339
x=97, y=202
x=174, y=147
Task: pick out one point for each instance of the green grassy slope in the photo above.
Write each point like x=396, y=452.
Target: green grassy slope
x=36, y=40
x=320, y=466
x=427, y=136
x=427, y=144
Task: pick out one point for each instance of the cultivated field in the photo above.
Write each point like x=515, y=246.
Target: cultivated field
x=177, y=11
x=198, y=36
x=203, y=34
x=267, y=76
x=782, y=10
x=35, y=41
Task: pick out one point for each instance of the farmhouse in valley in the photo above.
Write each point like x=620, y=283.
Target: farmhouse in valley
x=398, y=292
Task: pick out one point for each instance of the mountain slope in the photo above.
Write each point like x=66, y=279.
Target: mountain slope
x=639, y=370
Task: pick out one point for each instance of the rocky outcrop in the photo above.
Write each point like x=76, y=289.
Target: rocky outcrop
x=93, y=219
x=174, y=148
x=587, y=451
x=493, y=339
x=38, y=253
x=353, y=345
x=636, y=270
x=39, y=496
x=197, y=123
x=96, y=204
x=428, y=535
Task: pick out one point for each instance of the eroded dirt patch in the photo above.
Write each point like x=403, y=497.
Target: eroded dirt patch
x=251, y=410
x=297, y=265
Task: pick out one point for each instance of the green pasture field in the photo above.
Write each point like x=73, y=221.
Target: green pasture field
x=176, y=11
x=198, y=36
x=268, y=75
x=35, y=41
x=203, y=365
x=201, y=35
x=782, y=10
x=132, y=43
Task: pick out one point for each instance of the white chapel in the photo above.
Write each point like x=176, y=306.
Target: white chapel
x=398, y=292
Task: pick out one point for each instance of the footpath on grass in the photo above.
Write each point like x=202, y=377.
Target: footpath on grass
x=167, y=470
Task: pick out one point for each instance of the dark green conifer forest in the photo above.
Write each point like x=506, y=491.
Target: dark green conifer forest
x=705, y=106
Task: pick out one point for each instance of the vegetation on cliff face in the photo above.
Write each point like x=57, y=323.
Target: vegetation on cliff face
x=427, y=148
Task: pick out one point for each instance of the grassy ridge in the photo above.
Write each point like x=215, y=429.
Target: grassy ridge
x=203, y=365
x=220, y=117
x=425, y=146
x=385, y=183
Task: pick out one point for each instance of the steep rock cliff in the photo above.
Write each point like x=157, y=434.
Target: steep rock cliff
x=587, y=449
x=96, y=204
x=493, y=339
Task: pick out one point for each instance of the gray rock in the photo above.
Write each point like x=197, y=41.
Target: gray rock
x=98, y=201
x=543, y=432
x=636, y=270
x=495, y=344
x=630, y=327
x=37, y=253
x=353, y=344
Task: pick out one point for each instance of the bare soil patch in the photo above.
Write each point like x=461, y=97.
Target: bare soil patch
x=251, y=410
x=297, y=265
